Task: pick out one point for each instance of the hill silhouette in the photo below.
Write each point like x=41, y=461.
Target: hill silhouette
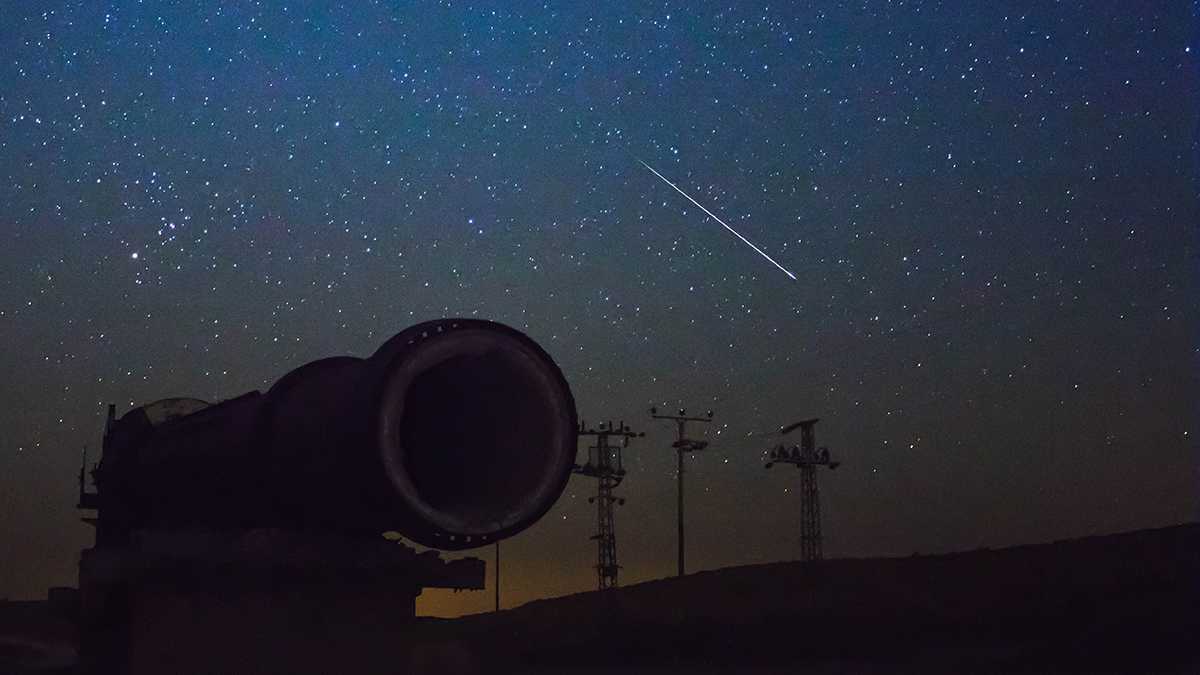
x=1117, y=603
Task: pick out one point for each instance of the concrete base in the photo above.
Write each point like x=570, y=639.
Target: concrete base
x=254, y=602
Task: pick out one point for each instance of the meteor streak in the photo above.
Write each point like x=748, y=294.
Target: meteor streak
x=723, y=223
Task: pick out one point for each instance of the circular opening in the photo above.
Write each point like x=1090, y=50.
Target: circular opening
x=480, y=434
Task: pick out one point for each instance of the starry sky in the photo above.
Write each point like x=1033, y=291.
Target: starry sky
x=990, y=209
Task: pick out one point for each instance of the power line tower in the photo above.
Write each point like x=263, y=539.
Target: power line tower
x=605, y=464
x=682, y=444
x=806, y=457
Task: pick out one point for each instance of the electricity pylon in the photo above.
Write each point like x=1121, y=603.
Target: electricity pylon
x=806, y=457
x=605, y=464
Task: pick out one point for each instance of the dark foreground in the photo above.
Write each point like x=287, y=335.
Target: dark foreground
x=1119, y=603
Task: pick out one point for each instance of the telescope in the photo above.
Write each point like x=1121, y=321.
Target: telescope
x=455, y=433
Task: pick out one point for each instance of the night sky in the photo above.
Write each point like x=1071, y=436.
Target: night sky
x=990, y=209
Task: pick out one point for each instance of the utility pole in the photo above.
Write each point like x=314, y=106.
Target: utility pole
x=806, y=457
x=605, y=463
x=682, y=444
x=497, y=575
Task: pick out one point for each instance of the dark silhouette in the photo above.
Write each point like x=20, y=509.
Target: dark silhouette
x=1123, y=603
x=254, y=521
x=605, y=463
x=806, y=457
x=455, y=433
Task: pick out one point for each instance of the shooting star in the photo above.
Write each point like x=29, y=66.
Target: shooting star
x=723, y=223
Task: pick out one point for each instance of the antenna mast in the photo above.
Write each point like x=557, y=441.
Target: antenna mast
x=682, y=444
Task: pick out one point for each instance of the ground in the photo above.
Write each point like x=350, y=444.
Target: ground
x=1117, y=603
